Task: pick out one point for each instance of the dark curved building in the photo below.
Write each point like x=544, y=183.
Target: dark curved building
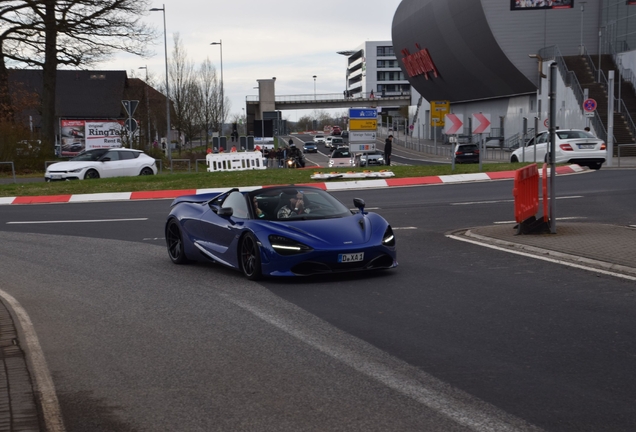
x=473, y=51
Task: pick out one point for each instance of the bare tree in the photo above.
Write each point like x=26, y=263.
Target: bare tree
x=210, y=89
x=182, y=78
x=49, y=33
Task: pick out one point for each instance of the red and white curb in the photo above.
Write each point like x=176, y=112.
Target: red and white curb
x=329, y=186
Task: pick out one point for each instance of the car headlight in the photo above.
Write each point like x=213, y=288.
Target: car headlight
x=286, y=246
x=388, y=239
x=76, y=170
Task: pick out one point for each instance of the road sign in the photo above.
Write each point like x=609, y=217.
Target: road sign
x=546, y=123
x=438, y=110
x=589, y=105
x=481, y=123
x=357, y=113
x=358, y=136
x=131, y=125
x=357, y=124
x=130, y=106
x=361, y=148
x=454, y=124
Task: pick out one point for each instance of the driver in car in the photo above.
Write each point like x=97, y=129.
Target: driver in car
x=296, y=206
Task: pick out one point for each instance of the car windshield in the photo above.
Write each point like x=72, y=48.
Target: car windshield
x=295, y=203
x=90, y=155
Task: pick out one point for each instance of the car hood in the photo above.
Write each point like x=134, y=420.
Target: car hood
x=351, y=230
x=67, y=166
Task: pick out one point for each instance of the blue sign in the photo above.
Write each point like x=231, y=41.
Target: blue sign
x=364, y=113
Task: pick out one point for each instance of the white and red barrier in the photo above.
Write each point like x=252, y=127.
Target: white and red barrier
x=235, y=161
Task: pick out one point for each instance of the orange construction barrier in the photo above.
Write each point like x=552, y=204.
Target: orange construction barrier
x=526, y=192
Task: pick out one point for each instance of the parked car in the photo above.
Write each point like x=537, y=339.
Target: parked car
x=571, y=146
x=319, y=139
x=371, y=158
x=341, y=158
x=101, y=163
x=466, y=153
x=278, y=231
x=328, y=141
x=310, y=147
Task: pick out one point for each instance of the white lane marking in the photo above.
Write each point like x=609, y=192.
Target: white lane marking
x=404, y=228
x=433, y=393
x=75, y=221
x=154, y=239
x=42, y=377
x=544, y=258
x=632, y=226
x=511, y=200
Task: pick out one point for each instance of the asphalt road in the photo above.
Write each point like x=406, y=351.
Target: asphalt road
x=458, y=337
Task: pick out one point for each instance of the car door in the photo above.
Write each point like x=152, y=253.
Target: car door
x=110, y=164
x=218, y=233
x=538, y=143
x=130, y=165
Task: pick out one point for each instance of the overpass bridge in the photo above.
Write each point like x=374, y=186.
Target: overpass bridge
x=267, y=103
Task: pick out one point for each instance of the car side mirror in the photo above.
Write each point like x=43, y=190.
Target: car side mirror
x=359, y=203
x=106, y=159
x=225, y=211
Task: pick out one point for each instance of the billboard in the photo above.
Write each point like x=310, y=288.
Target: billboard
x=540, y=4
x=80, y=135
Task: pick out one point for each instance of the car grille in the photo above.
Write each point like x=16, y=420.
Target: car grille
x=313, y=267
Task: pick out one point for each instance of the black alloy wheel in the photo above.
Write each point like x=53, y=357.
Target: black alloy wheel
x=91, y=174
x=174, y=243
x=250, y=257
x=146, y=171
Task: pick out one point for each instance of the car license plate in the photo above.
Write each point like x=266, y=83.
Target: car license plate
x=352, y=257
x=56, y=176
x=469, y=154
x=586, y=146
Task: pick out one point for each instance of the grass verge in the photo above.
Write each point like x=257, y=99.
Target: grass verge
x=202, y=180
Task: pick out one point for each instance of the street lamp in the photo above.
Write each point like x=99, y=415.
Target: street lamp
x=165, y=43
x=314, y=87
x=147, y=106
x=220, y=43
x=582, y=10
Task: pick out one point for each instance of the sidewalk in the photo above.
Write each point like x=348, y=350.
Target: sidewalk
x=597, y=247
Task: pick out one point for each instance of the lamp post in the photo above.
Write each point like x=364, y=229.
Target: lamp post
x=220, y=43
x=147, y=106
x=165, y=43
x=314, y=87
x=582, y=10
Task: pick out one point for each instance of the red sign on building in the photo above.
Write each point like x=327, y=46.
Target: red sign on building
x=419, y=63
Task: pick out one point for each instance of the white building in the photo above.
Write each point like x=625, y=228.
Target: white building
x=373, y=67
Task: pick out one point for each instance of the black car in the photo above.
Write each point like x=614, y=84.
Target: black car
x=344, y=134
x=467, y=153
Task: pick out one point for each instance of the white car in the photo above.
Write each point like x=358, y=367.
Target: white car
x=572, y=146
x=101, y=163
x=328, y=141
x=341, y=158
x=319, y=139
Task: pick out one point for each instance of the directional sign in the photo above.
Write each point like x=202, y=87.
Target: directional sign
x=357, y=124
x=130, y=106
x=356, y=113
x=453, y=124
x=359, y=136
x=361, y=148
x=481, y=123
x=438, y=110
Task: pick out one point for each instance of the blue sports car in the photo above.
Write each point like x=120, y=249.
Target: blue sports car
x=278, y=231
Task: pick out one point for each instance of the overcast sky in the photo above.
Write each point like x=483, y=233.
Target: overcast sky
x=291, y=40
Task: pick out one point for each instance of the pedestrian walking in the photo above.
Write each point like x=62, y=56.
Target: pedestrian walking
x=388, y=147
